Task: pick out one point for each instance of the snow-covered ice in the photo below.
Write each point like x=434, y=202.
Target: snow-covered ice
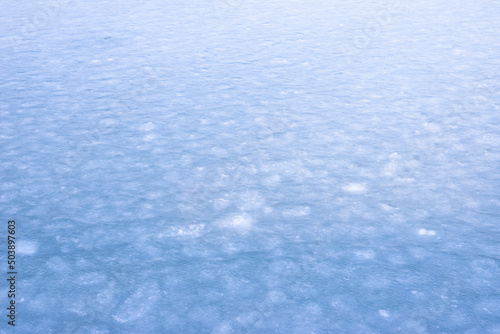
x=251, y=166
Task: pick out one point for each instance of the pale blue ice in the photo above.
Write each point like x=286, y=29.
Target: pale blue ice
x=251, y=166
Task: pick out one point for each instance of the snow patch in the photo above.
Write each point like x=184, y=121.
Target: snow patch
x=383, y=313
x=191, y=231
x=297, y=212
x=138, y=305
x=365, y=254
x=149, y=137
x=148, y=126
x=240, y=222
x=355, y=188
x=26, y=247
x=423, y=231
x=250, y=201
x=272, y=180
x=220, y=203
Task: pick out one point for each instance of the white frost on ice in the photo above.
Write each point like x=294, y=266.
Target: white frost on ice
x=138, y=305
x=147, y=126
x=239, y=222
x=365, y=254
x=149, y=137
x=250, y=201
x=432, y=127
x=423, y=231
x=383, y=313
x=193, y=160
x=220, y=203
x=26, y=247
x=297, y=212
x=190, y=231
x=355, y=188
x=387, y=207
x=272, y=180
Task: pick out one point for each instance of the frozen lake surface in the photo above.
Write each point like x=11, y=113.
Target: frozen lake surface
x=244, y=166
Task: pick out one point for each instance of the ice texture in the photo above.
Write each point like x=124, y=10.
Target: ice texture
x=251, y=166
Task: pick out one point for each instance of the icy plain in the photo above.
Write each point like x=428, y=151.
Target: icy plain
x=244, y=166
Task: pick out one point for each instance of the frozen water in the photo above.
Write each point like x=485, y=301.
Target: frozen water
x=252, y=166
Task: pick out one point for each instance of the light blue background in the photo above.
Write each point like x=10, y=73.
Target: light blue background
x=252, y=166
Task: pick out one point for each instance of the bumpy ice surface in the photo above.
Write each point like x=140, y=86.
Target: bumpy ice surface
x=252, y=166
